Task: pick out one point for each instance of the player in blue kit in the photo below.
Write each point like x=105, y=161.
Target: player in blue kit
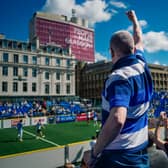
x=20, y=130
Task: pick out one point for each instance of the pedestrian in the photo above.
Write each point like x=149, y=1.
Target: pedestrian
x=123, y=138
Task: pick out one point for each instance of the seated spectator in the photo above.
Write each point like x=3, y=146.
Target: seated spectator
x=162, y=144
x=157, y=158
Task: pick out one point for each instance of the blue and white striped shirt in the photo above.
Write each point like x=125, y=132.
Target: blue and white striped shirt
x=129, y=85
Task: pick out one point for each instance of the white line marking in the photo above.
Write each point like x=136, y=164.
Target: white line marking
x=45, y=140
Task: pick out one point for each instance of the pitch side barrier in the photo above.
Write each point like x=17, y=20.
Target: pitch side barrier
x=28, y=121
x=46, y=158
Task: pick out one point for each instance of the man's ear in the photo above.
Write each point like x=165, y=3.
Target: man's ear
x=112, y=52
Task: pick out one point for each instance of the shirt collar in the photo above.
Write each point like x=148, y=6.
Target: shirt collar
x=125, y=61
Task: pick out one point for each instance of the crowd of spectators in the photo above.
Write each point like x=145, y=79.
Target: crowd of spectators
x=39, y=108
x=42, y=108
x=159, y=103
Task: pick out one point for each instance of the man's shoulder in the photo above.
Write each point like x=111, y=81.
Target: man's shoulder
x=140, y=55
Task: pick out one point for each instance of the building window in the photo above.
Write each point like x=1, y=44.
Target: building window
x=58, y=50
x=15, y=86
x=47, y=75
x=58, y=88
x=24, y=87
x=4, y=87
x=68, y=63
x=25, y=59
x=25, y=72
x=58, y=62
x=24, y=46
x=68, y=76
x=5, y=57
x=5, y=71
x=34, y=87
x=57, y=75
x=16, y=58
x=4, y=44
x=68, y=88
x=48, y=49
x=34, y=72
x=47, y=89
x=15, y=71
x=34, y=60
x=33, y=47
x=14, y=45
x=47, y=61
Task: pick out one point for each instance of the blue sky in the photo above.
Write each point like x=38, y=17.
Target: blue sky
x=105, y=16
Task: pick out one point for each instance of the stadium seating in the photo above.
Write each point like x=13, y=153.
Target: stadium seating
x=159, y=103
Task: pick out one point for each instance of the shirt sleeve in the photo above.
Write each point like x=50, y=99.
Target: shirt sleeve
x=140, y=55
x=118, y=94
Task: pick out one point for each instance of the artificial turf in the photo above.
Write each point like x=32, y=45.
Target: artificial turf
x=61, y=134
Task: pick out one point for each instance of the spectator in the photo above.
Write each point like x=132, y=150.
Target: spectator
x=157, y=158
x=123, y=138
x=162, y=144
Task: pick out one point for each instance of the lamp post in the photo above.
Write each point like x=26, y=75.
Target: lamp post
x=19, y=78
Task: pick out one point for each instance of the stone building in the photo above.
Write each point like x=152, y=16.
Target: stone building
x=29, y=70
x=90, y=78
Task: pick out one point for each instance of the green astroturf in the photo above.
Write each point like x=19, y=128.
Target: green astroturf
x=61, y=134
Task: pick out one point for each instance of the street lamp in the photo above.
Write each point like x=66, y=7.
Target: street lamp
x=19, y=78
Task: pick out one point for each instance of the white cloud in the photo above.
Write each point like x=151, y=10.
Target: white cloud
x=59, y=6
x=155, y=41
x=99, y=57
x=93, y=10
x=143, y=24
x=118, y=4
x=156, y=62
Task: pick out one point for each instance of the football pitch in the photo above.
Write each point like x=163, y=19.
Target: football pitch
x=55, y=135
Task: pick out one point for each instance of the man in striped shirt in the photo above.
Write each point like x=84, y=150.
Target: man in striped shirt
x=126, y=96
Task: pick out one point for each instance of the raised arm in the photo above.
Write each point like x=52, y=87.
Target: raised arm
x=137, y=32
